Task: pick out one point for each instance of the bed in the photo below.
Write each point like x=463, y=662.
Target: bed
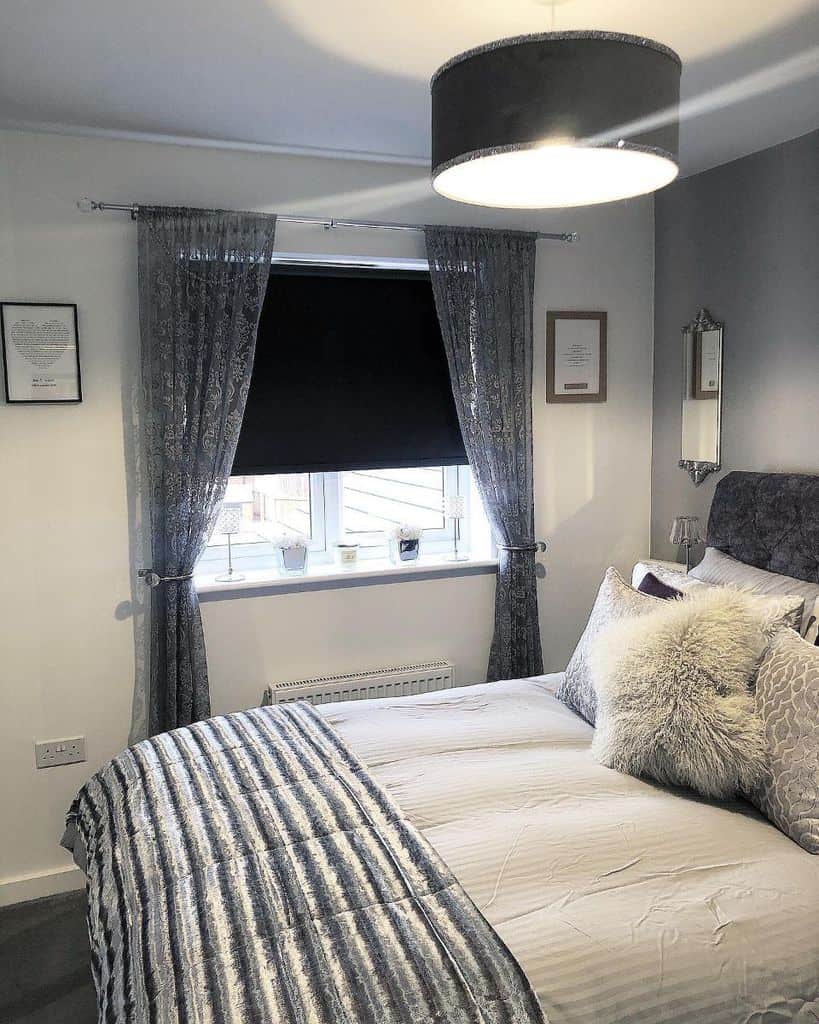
x=621, y=900
x=610, y=898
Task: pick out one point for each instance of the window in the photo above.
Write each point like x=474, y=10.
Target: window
x=356, y=506
x=350, y=427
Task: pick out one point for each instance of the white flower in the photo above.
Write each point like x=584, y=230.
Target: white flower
x=286, y=541
x=405, y=531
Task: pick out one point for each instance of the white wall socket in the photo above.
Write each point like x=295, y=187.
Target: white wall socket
x=50, y=753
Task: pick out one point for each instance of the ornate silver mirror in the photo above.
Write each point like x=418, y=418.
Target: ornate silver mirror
x=701, y=397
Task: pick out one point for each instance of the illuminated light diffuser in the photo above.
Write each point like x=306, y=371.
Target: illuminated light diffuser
x=541, y=121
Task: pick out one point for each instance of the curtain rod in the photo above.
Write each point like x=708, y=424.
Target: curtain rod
x=328, y=223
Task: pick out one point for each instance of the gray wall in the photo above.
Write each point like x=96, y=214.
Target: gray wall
x=743, y=241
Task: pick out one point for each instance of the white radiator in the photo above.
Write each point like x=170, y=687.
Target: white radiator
x=380, y=682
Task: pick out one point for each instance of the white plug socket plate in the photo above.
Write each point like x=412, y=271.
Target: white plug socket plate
x=50, y=753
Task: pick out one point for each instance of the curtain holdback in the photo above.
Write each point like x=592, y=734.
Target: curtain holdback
x=153, y=579
x=536, y=545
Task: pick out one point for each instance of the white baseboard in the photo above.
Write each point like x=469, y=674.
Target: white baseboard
x=44, y=883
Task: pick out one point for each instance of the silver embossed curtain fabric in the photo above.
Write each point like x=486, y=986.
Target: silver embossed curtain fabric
x=202, y=281
x=484, y=287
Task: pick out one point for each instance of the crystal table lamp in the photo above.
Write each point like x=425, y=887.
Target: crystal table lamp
x=455, y=508
x=229, y=523
x=686, y=530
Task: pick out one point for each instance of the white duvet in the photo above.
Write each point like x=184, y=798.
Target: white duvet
x=622, y=901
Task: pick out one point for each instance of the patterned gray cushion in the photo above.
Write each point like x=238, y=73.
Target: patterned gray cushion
x=787, y=698
x=615, y=600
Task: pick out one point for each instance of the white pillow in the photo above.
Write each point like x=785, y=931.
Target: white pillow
x=720, y=569
x=785, y=605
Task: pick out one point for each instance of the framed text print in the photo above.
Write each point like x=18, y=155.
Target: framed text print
x=41, y=352
x=575, y=357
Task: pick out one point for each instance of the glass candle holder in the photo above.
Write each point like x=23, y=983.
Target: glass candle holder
x=347, y=555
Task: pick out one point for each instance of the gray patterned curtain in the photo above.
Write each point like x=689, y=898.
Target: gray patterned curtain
x=202, y=281
x=484, y=286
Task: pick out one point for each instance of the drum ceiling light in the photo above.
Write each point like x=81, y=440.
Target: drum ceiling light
x=556, y=119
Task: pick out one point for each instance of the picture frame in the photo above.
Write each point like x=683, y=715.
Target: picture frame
x=41, y=353
x=576, y=356
x=706, y=376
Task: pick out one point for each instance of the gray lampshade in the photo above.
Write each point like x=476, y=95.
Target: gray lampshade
x=686, y=530
x=556, y=119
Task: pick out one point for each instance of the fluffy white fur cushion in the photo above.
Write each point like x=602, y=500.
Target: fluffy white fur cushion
x=674, y=693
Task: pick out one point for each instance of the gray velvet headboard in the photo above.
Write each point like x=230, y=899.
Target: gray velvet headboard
x=770, y=520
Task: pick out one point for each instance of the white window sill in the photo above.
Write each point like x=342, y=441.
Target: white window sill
x=371, y=571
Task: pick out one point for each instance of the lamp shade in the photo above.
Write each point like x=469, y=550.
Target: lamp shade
x=455, y=506
x=556, y=119
x=685, y=530
x=230, y=518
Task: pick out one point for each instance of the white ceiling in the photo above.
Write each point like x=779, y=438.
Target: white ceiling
x=352, y=75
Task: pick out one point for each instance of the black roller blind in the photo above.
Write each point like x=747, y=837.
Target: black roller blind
x=350, y=373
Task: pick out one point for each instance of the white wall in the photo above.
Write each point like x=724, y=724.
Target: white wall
x=593, y=461
x=66, y=643
x=253, y=641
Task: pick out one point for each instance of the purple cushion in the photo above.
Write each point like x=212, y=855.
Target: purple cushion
x=651, y=585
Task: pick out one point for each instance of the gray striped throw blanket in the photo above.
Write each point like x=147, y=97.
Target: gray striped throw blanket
x=248, y=869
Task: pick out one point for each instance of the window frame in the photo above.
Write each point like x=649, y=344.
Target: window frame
x=326, y=521
x=250, y=554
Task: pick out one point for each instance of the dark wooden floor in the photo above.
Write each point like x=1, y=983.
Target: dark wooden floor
x=45, y=976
